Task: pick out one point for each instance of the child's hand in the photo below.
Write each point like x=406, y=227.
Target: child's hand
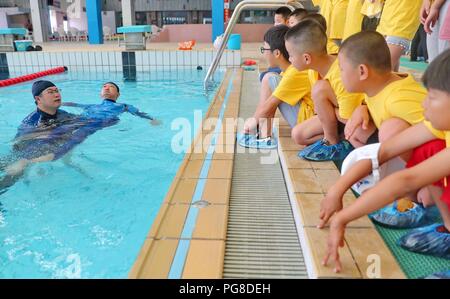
x=360, y=118
x=431, y=20
x=250, y=125
x=331, y=204
x=335, y=240
x=424, y=11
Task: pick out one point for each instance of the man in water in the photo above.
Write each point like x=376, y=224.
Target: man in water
x=49, y=133
x=41, y=135
x=109, y=110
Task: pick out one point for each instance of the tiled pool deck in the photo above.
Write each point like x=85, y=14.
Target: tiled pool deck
x=188, y=240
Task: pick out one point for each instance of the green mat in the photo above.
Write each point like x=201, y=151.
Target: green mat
x=415, y=65
x=414, y=265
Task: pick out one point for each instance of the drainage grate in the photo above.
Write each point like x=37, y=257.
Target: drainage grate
x=262, y=240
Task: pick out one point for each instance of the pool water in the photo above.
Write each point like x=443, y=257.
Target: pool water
x=88, y=214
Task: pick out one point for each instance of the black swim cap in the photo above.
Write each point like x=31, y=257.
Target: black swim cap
x=40, y=86
x=112, y=83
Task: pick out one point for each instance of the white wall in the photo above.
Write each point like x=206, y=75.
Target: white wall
x=3, y=20
x=108, y=19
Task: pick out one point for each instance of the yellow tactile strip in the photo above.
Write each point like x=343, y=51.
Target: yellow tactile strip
x=207, y=247
x=365, y=255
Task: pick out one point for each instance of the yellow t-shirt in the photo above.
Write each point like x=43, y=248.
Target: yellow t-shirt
x=316, y=2
x=293, y=88
x=337, y=19
x=444, y=135
x=354, y=18
x=332, y=48
x=313, y=77
x=325, y=11
x=347, y=102
x=400, y=18
x=402, y=99
x=372, y=9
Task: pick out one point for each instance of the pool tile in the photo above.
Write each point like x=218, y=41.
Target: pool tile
x=173, y=222
x=192, y=170
x=284, y=131
x=373, y=257
x=211, y=223
x=155, y=259
x=323, y=165
x=217, y=191
x=221, y=169
x=309, y=205
x=204, y=260
x=317, y=239
x=327, y=177
x=184, y=191
x=293, y=161
x=288, y=144
x=304, y=181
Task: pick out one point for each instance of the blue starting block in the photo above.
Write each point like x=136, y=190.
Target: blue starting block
x=8, y=36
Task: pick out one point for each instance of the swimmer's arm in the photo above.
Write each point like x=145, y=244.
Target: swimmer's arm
x=133, y=110
x=72, y=104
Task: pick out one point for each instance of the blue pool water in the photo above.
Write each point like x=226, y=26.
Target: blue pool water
x=89, y=218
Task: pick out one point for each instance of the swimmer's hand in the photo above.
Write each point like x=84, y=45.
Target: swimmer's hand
x=155, y=122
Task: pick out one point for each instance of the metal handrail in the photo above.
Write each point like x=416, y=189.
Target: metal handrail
x=234, y=18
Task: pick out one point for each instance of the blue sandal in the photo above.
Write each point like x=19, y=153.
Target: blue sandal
x=321, y=151
x=390, y=216
x=427, y=240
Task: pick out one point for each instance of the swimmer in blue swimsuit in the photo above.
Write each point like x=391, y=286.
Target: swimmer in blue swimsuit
x=107, y=113
x=49, y=133
x=44, y=135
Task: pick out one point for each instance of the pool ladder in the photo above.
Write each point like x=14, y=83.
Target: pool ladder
x=246, y=4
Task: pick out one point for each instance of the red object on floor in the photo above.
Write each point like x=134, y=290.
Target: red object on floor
x=12, y=81
x=249, y=62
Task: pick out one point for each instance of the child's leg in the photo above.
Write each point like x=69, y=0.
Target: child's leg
x=360, y=137
x=268, y=85
x=397, y=46
x=436, y=195
x=308, y=131
x=325, y=104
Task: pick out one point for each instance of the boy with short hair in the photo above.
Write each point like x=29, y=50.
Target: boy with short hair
x=290, y=92
x=281, y=16
x=428, y=171
x=296, y=16
x=332, y=48
x=306, y=44
x=393, y=103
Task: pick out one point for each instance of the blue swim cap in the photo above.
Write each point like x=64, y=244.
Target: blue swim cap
x=40, y=86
